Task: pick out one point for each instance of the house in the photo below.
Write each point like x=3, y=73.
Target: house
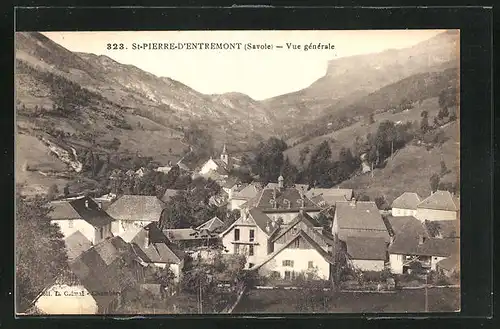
x=329, y=196
x=243, y=194
x=284, y=203
x=134, y=210
x=141, y=172
x=411, y=243
x=405, y=204
x=76, y=244
x=230, y=185
x=164, y=169
x=97, y=282
x=300, y=247
x=193, y=239
x=440, y=205
x=66, y=296
x=301, y=254
x=249, y=235
x=81, y=215
x=449, y=266
x=169, y=193
x=153, y=247
x=361, y=230
x=220, y=166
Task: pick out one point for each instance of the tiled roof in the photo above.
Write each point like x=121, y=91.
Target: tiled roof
x=311, y=222
x=230, y=182
x=247, y=192
x=407, y=200
x=259, y=218
x=359, y=219
x=447, y=228
x=136, y=208
x=292, y=195
x=159, y=249
x=76, y=244
x=451, y=263
x=331, y=195
x=76, y=209
x=169, y=193
x=366, y=248
x=407, y=240
x=300, y=234
x=211, y=225
x=440, y=200
x=107, y=269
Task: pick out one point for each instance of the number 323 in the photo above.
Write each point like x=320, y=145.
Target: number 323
x=115, y=46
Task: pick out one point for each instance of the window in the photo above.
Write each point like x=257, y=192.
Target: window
x=250, y=265
x=310, y=264
x=288, y=263
x=101, y=231
x=237, y=234
x=289, y=275
x=70, y=223
x=296, y=243
x=250, y=250
x=251, y=235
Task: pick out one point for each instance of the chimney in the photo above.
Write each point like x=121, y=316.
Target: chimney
x=274, y=194
x=421, y=239
x=280, y=182
x=353, y=202
x=301, y=210
x=268, y=227
x=87, y=204
x=99, y=205
x=146, y=239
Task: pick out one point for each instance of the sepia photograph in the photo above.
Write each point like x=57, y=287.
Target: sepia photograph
x=237, y=172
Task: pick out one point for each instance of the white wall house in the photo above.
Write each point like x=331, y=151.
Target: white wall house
x=248, y=236
x=82, y=215
x=405, y=205
x=440, y=205
x=134, y=211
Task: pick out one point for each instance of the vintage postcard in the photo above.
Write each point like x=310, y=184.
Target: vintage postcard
x=237, y=172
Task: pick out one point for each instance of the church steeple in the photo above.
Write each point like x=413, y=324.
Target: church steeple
x=224, y=156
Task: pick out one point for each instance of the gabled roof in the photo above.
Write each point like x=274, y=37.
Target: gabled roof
x=230, y=182
x=331, y=195
x=447, y=228
x=108, y=268
x=136, y=208
x=159, y=248
x=254, y=217
x=303, y=235
x=366, y=248
x=211, y=225
x=169, y=193
x=287, y=199
x=77, y=209
x=408, y=235
x=247, y=192
x=76, y=244
x=301, y=217
x=440, y=200
x=359, y=219
x=407, y=200
x=451, y=263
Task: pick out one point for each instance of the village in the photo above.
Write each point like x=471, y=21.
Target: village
x=123, y=259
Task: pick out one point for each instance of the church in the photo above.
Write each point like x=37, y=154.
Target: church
x=217, y=168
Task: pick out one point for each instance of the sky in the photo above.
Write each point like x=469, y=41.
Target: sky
x=260, y=74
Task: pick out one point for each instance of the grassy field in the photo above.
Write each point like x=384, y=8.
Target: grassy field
x=406, y=301
x=410, y=170
x=345, y=137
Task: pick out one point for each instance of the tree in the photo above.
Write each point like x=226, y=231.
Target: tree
x=444, y=169
x=424, y=123
x=381, y=203
x=433, y=228
x=434, y=182
x=40, y=250
x=303, y=154
x=269, y=159
x=290, y=173
x=66, y=190
x=52, y=192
